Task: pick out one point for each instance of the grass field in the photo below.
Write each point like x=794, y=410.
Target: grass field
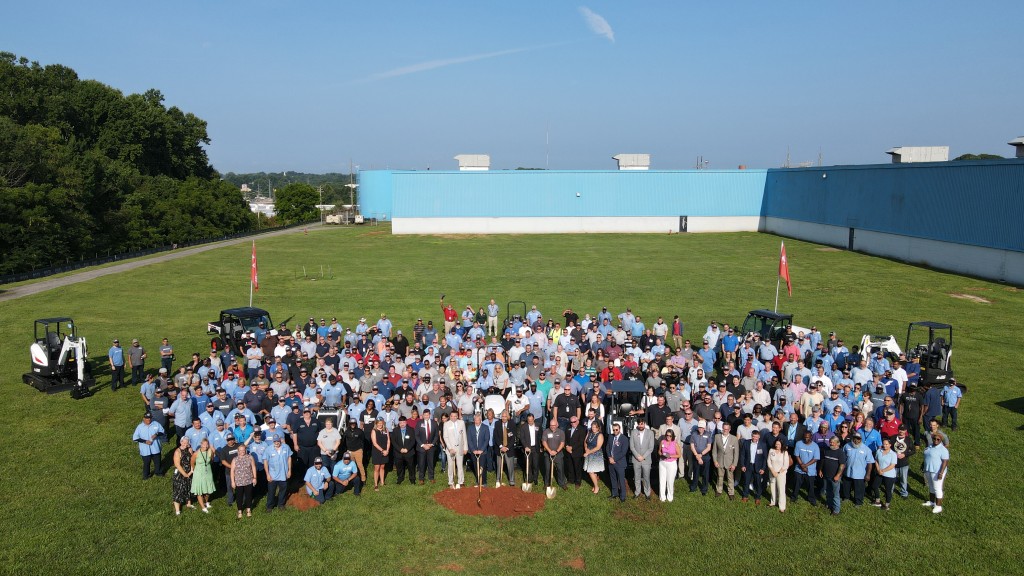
x=73, y=501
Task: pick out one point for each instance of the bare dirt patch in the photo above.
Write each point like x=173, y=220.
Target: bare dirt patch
x=972, y=298
x=300, y=501
x=576, y=563
x=504, y=502
x=452, y=567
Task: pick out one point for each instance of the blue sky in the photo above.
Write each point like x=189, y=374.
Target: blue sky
x=310, y=86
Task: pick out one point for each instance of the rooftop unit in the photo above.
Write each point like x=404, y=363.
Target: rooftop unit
x=633, y=161
x=909, y=154
x=1018, y=145
x=469, y=162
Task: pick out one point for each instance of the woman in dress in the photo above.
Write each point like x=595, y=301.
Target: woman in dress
x=778, y=465
x=669, y=449
x=593, y=455
x=181, y=485
x=243, y=479
x=202, y=474
x=381, y=449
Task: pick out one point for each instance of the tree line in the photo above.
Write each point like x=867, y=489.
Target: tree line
x=86, y=170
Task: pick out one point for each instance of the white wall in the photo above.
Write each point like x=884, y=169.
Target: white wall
x=992, y=263
x=581, y=224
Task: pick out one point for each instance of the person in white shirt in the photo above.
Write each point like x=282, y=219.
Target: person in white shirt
x=456, y=446
x=900, y=376
x=712, y=334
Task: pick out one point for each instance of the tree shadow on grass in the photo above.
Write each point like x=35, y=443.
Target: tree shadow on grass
x=1015, y=405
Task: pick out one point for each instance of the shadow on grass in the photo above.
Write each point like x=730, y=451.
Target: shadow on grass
x=1015, y=405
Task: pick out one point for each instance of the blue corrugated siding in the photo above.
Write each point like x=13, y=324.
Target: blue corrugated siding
x=977, y=203
x=553, y=193
x=376, y=192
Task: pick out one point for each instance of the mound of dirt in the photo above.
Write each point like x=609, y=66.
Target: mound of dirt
x=301, y=501
x=504, y=502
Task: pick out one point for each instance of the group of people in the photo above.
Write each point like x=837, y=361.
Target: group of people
x=531, y=398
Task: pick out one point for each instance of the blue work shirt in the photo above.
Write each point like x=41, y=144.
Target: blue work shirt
x=276, y=461
x=116, y=355
x=196, y=436
x=886, y=459
x=951, y=394
x=149, y=432
x=182, y=411
x=257, y=449
x=316, y=478
x=858, y=458
x=345, y=471
x=872, y=439
x=807, y=451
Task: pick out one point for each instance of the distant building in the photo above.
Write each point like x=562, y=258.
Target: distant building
x=245, y=189
x=633, y=161
x=1018, y=145
x=474, y=162
x=263, y=206
x=910, y=154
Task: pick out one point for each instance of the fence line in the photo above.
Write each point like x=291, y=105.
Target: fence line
x=78, y=264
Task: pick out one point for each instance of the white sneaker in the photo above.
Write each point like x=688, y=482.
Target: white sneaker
x=457, y=486
x=206, y=510
x=928, y=503
x=936, y=509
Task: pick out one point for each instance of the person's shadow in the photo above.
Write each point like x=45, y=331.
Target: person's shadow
x=1015, y=405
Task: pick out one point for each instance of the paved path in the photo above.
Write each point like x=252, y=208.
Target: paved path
x=51, y=283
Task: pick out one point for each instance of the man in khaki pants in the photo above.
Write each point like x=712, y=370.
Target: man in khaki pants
x=725, y=455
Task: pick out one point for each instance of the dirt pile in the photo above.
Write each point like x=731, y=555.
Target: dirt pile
x=504, y=502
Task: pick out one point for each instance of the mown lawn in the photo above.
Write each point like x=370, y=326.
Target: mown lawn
x=74, y=502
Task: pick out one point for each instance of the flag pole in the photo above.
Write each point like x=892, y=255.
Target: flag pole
x=250, y=273
x=778, y=281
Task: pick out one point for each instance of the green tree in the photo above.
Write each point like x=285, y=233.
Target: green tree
x=978, y=157
x=296, y=202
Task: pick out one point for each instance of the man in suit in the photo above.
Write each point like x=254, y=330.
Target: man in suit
x=455, y=443
x=753, y=461
x=426, y=446
x=504, y=440
x=403, y=445
x=641, y=446
x=792, y=432
x=618, y=449
x=529, y=438
x=479, y=440
x=575, y=445
x=725, y=455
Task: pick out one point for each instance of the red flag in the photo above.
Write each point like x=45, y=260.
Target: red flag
x=254, y=275
x=783, y=268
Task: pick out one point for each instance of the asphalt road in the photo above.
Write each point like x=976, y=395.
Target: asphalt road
x=51, y=283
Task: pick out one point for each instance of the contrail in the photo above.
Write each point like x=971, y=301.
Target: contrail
x=443, y=62
x=598, y=25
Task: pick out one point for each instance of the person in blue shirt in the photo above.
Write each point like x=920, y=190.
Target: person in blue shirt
x=936, y=464
x=346, y=476
x=149, y=436
x=806, y=455
x=951, y=396
x=879, y=364
x=885, y=468
x=115, y=356
x=242, y=430
x=384, y=326
x=317, y=480
x=858, y=459
x=196, y=434
x=241, y=410
x=277, y=463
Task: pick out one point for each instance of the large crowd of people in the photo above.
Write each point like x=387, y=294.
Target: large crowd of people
x=326, y=409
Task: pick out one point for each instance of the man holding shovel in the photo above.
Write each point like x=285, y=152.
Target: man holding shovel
x=554, y=445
